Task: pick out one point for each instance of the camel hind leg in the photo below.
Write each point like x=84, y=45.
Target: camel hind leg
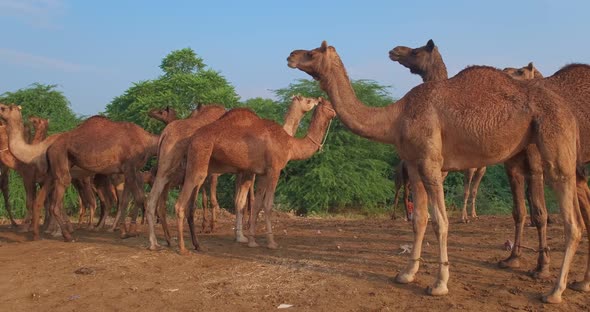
x=244, y=182
x=155, y=198
x=557, y=142
x=584, y=201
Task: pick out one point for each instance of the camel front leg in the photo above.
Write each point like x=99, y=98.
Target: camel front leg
x=213, y=181
x=243, y=184
x=420, y=220
x=479, y=173
x=515, y=170
x=268, y=205
x=467, y=178
x=6, y=194
x=255, y=209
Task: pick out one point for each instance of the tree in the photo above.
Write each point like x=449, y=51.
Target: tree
x=44, y=101
x=186, y=81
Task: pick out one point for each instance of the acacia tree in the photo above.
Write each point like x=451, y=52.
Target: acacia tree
x=185, y=82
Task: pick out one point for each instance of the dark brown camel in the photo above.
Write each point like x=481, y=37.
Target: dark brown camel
x=427, y=62
x=241, y=142
x=477, y=118
x=572, y=82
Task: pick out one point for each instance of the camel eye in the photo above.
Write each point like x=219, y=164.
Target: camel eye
x=414, y=52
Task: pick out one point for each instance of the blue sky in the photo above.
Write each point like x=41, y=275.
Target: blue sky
x=94, y=50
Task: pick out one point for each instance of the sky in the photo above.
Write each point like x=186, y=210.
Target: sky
x=95, y=50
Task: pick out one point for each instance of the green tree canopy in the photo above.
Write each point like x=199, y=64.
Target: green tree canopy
x=44, y=101
x=186, y=81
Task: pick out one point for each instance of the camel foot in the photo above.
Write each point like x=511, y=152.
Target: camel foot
x=183, y=252
x=510, y=262
x=200, y=248
x=155, y=247
x=23, y=228
x=55, y=233
x=583, y=286
x=551, y=298
x=404, y=278
x=252, y=243
x=439, y=289
x=272, y=245
x=68, y=238
x=542, y=274
x=241, y=239
x=36, y=237
x=465, y=220
x=129, y=235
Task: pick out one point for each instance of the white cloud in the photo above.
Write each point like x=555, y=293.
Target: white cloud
x=41, y=62
x=40, y=13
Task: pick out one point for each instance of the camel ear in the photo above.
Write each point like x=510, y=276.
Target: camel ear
x=19, y=107
x=199, y=106
x=430, y=45
x=167, y=108
x=531, y=67
x=324, y=46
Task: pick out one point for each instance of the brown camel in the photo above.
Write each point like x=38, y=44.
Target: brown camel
x=8, y=161
x=427, y=62
x=172, y=151
x=96, y=146
x=572, y=82
x=242, y=142
x=168, y=115
x=525, y=73
x=479, y=117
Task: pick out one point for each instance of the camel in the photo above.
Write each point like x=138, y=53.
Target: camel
x=168, y=115
x=427, y=62
x=525, y=73
x=175, y=139
x=241, y=142
x=571, y=82
x=479, y=117
x=98, y=145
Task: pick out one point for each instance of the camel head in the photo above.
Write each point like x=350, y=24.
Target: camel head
x=418, y=60
x=314, y=62
x=325, y=107
x=39, y=122
x=10, y=112
x=166, y=114
x=303, y=104
x=524, y=73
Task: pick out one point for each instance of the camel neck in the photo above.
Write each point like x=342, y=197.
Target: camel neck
x=305, y=148
x=292, y=119
x=437, y=70
x=40, y=135
x=374, y=123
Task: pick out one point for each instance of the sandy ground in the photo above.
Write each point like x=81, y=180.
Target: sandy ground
x=334, y=264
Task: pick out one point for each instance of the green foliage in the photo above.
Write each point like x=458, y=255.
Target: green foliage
x=44, y=101
x=47, y=102
x=185, y=83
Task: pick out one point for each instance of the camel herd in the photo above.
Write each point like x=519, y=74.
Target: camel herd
x=535, y=126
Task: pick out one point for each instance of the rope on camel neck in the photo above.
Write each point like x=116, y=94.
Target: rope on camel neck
x=321, y=146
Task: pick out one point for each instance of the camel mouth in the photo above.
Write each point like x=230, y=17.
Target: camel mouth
x=394, y=56
x=291, y=63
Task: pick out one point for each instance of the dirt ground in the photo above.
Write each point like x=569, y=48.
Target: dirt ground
x=330, y=264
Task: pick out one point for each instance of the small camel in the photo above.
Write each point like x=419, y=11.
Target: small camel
x=427, y=62
x=572, y=82
x=402, y=182
x=168, y=115
x=241, y=142
x=479, y=117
